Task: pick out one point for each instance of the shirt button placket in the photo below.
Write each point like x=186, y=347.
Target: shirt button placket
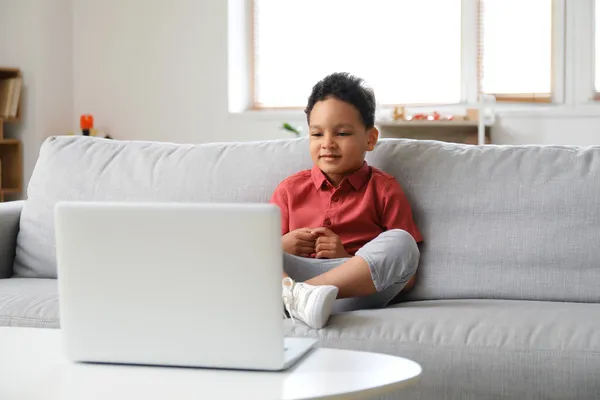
x=335, y=198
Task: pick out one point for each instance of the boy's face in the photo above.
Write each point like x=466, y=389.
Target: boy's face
x=338, y=138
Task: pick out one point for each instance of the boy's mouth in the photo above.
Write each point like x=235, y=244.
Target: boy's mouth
x=329, y=156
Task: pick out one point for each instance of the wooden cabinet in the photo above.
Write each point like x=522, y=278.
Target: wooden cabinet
x=11, y=168
x=11, y=152
x=455, y=132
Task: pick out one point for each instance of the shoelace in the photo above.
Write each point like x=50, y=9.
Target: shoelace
x=288, y=297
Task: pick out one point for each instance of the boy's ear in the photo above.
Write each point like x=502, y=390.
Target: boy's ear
x=373, y=135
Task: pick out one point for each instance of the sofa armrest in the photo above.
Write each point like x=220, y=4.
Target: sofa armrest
x=10, y=214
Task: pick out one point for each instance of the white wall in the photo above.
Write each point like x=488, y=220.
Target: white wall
x=570, y=127
x=161, y=74
x=37, y=38
x=157, y=70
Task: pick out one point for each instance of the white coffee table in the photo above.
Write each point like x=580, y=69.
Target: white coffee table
x=32, y=366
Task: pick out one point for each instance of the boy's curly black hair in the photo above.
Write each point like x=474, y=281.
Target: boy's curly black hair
x=345, y=87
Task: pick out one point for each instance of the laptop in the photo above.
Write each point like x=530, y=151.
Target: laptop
x=173, y=284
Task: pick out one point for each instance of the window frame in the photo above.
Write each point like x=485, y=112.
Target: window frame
x=590, y=48
x=562, y=34
x=557, y=67
x=580, y=53
x=468, y=86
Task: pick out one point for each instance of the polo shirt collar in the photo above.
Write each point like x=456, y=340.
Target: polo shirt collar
x=357, y=179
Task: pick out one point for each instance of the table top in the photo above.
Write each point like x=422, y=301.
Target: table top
x=32, y=366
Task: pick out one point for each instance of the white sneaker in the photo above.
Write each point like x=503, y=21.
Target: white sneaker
x=310, y=304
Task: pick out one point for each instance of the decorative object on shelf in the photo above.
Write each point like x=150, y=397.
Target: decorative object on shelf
x=289, y=128
x=473, y=127
x=86, y=128
x=86, y=123
x=435, y=116
x=399, y=114
x=472, y=114
x=11, y=84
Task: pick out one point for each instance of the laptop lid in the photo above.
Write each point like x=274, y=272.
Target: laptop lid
x=171, y=283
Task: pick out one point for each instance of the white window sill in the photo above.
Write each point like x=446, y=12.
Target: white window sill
x=589, y=110
x=268, y=114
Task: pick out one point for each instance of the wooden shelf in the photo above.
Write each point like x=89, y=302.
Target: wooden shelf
x=9, y=141
x=427, y=124
x=11, y=120
x=464, y=131
x=11, y=152
x=11, y=166
x=7, y=73
x=8, y=192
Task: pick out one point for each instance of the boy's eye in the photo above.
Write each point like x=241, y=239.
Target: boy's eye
x=344, y=134
x=316, y=134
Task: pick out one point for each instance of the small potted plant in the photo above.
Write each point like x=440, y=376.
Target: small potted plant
x=288, y=127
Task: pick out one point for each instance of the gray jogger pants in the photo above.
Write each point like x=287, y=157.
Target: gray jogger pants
x=393, y=257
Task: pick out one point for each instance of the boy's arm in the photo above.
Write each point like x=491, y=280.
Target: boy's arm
x=280, y=198
x=396, y=211
x=299, y=242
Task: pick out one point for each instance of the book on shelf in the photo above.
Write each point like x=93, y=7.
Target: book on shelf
x=10, y=94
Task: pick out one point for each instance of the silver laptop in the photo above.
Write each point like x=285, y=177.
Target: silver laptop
x=177, y=284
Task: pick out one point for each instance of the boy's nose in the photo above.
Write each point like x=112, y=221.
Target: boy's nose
x=328, y=142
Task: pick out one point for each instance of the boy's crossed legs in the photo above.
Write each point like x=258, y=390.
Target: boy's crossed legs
x=370, y=279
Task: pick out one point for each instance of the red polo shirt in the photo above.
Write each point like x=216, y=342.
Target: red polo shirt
x=365, y=204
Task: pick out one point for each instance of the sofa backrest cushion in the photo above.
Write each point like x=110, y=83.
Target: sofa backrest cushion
x=512, y=222
x=87, y=168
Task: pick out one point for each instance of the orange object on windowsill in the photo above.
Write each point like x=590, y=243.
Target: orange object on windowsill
x=86, y=123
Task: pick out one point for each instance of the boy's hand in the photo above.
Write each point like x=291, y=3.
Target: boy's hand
x=328, y=244
x=299, y=242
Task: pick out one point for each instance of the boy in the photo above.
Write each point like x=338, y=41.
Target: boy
x=348, y=231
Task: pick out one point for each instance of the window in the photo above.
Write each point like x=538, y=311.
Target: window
x=515, y=49
x=395, y=45
x=411, y=52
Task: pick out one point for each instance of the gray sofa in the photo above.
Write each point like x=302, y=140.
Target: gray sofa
x=506, y=301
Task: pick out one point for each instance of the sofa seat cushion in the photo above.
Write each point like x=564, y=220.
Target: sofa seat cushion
x=29, y=302
x=521, y=349
x=508, y=324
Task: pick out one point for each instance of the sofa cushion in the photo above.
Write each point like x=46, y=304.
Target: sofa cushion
x=519, y=349
x=87, y=168
x=511, y=222
x=29, y=302
x=10, y=213
x=508, y=222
